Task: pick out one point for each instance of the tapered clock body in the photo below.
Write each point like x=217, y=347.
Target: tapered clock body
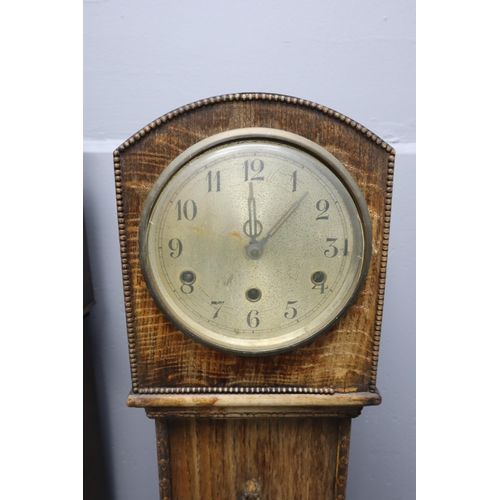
x=254, y=232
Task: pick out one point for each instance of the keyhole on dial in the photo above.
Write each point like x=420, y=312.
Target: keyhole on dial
x=318, y=277
x=253, y=294
x=188, y=277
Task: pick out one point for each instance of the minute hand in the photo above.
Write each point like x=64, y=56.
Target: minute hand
x=254, y=250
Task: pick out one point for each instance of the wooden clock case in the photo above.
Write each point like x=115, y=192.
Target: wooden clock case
x=278, y=424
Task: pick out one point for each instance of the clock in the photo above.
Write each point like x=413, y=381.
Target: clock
x=254, y=236
x=254, y=241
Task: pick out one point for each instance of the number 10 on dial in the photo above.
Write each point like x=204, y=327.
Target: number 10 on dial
x=255, y=241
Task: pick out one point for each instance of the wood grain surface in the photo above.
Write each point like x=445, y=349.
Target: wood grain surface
x=343, y=359
x=294, y=459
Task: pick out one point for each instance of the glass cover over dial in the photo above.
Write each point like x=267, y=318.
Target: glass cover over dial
x=254, y=241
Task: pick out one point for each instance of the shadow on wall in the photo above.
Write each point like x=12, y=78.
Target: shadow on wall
x=96, y=482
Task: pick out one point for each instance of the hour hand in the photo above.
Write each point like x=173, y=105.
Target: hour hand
x=252, y=226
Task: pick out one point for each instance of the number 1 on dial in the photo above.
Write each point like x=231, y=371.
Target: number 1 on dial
x=294, y=181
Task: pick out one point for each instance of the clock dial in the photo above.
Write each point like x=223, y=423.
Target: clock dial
x=255, y=241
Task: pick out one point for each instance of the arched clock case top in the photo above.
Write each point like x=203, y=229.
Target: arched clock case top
x=342, y=360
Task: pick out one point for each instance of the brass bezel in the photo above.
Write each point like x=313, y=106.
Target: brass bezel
x=245, y=135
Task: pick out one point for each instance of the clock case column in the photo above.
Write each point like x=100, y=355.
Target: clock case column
x=285, y=447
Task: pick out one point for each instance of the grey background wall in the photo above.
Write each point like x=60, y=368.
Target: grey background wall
x=143, y=59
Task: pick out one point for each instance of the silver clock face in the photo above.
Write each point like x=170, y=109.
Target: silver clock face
x=254, y=241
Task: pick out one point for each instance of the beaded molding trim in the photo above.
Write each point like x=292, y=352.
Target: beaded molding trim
x=239, y=390
x=253, y=97
x=123, y=245
x=383, y=272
